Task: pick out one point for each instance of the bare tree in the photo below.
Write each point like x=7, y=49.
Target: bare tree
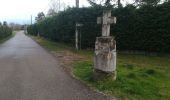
x=147, y=2
x=55, y=7
x=40, y=16
x=119, y=3
x=15, y=26
x=51, y=12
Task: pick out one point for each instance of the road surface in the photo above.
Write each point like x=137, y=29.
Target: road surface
x=28, y=72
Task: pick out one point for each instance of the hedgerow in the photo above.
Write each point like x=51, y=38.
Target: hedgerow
x=138, y=29
x=5, y=31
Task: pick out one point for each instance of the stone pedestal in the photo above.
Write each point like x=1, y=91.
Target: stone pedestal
x=105, y=58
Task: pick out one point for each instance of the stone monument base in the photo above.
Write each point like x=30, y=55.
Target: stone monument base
x=101, y=75
x=105, y=58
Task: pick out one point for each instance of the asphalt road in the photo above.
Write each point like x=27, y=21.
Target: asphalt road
x=28, y=72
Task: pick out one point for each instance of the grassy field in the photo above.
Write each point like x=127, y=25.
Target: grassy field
x=139, y=77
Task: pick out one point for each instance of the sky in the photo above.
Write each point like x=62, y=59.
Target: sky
x=20, y=11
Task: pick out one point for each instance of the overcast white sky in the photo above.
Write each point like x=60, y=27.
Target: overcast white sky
x=19, y=11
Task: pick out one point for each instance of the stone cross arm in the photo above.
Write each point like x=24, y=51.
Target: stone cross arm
x=106, y=20
x=110, y=20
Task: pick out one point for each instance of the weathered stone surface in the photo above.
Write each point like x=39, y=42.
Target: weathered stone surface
x=105, y=54
x=105, y=49
x=106, y=20
x=100, y=75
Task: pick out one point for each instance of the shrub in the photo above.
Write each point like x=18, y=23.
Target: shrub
x=5, y=31
x=138, y=29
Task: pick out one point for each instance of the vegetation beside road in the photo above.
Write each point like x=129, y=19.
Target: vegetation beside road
x=140, y=77
x=142, y=27
x=5, y=33
x=145, y=28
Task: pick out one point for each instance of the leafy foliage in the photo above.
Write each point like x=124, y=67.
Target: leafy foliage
x=32, y=29
x=138, y=29
x=148, y=2
x=5, y=31
x=106, y=3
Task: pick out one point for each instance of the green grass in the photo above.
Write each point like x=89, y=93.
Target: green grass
x=50, y=45
x=60, y=47
x=140, y=77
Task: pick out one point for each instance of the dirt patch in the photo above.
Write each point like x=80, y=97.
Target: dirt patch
x=67, y=58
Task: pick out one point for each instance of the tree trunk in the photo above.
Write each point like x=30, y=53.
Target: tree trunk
x=119, y=3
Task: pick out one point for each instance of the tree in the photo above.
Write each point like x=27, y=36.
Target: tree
x=15, y=26
x=147, y=2
x=101, y=2
x=51, y=12
x=119, y=3
x=56, y=6
x=40, y=16
x=107, y=3
x=5, y=23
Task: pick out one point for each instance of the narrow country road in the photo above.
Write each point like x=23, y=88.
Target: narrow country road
x=28, y=72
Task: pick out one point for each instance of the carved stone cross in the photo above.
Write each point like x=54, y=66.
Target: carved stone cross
x=105, y=49
x=106, y=20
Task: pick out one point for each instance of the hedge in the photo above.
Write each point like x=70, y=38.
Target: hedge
x=138, y=29
x=5, y=31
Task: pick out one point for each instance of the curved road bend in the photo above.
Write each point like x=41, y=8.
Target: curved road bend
x=28, y=72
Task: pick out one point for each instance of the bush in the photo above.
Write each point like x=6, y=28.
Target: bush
x=138, y=29
x=5, y=32
x=32, y=30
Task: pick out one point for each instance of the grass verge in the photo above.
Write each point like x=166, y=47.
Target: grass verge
x=139, y=77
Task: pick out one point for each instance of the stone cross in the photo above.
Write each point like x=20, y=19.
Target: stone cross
x=106, y=20
x=105, y=49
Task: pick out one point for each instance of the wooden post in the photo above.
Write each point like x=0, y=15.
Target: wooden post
x=76, y=38
x=76, y=31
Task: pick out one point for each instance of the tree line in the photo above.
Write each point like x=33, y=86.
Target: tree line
x=139, y=28
x=5, y=31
